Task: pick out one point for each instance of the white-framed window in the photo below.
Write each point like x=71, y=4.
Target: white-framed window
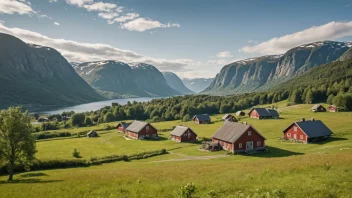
x=288, y=134
x=249, y=133
x=301, y=136
x=259, y=143
x=295, y=129
x=147, y=128
x=240, y=145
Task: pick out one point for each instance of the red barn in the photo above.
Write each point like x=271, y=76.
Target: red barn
x=141, y=130
x=183, y=134
x=307, y=131
x=230, y=118
x=201, y=119
x=239, y=138
x=333, y=108
x=122, y=126
x=318, y=108
x=262, y=113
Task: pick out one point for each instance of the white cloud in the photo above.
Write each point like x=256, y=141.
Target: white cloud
x=127, y=17
x=56, y=23
x=100, y=6
x=225, y=54
x=252, y=41
x=52, y=1
x=279, y=45
x=1, y=21
x=108, y=15
x=43, y=16
x=13, y=7
x=142, y=24
x=79, y=3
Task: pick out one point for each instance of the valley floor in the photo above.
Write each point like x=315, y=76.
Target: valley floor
x=296, y=170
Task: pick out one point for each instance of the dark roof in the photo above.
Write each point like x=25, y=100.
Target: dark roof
x=312, y=128
x=232, y=131
x=179, y=130
x=137, y=126
x=226, y=116
x=315, y=107
x=202, y=117
x=124, y=124
x=266, y=112
x=239, y=113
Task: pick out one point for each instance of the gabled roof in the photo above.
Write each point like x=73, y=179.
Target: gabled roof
x=316, y=106
x=273, y=112
x=124, y=124
x=226, y=116
x=90, y=132
x=312, y=128
x=137, y=126
x=180, y=130
x=265, y=112
x=239, y=113
x=232, y=131
x=202, y=117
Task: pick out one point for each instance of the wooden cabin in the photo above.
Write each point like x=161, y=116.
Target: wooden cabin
x=229, y=118
x=122, y=126
x=262, y=113
x=239, y=138
x=201, y=119
x=92, y=134
x=318, y=108
x=141, y=130
x=307, y=131
x=183, y=134
x=240, y=113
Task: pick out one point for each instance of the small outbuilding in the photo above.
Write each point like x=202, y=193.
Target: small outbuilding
x=122, y=126
x=333, y=108
x=262, y=113
x=239, y=138
x=240, y=113
x=229, y=118
x=183, y=134
x=307, y=131
x=318, y=108
x=91, y=134
x=201, y=119
x=141, y=130
x=43, y=119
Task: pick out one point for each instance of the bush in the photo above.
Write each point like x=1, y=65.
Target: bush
x=88, y=121
x=186, y=118
x=78, y=119
x=49, y=135
x=187, y=191
x=76, y=154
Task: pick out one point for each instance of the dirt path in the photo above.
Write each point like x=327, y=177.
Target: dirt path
x=187, y=158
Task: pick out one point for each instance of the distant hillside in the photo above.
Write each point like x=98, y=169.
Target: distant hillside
x=176, y=83
x=346, y=56
x=34, y=76
x=116, y=79
x=197, y=84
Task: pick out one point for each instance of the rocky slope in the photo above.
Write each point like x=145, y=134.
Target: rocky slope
x=176, y=83
x=347, y=55
x=34, y=76
x=264, y=72
x=197, y=84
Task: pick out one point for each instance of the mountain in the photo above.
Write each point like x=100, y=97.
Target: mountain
x=116, y=79
x=176, y=83
x=262, y=73
x=197, y=84
x=347, y=55
x=35, y=76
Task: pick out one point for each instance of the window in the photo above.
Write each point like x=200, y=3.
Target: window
x=295, y=128
x=249, y=132
x=259, y=143
x=240, y=145
x=288, y=134
x=301, y=136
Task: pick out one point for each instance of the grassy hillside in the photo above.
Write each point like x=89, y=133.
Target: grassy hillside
x=299, y=170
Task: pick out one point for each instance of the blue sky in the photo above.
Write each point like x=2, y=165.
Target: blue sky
x=192, y=38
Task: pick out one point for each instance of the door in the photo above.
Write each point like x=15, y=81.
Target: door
x=249, y=146
x=295, y=136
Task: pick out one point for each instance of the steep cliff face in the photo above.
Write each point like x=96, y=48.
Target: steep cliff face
x=197, y=84
x=33, y=75
x=176, y=83
x=264, y=72
x=346, y=56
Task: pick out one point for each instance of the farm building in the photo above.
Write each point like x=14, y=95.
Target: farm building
x=240, y=113
x=318, y=108
x=91, y=134
x=183, y=134
x=239, y=138
x=42, y=119
x=333, y=108
x=262, y=113
x=307, y=131
x=122, y=126
x=141, y=130
x=201, y=119
x=230, y=118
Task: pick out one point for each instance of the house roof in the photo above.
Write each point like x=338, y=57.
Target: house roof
x=202, y=117
x=312, y=128
x=124, y=124
x=265, y=112
x=239, y=113
x=90, y=132
x=316, y=106
x=226, y=116
x=180, y=130
x=137, y=126
x=232, y=131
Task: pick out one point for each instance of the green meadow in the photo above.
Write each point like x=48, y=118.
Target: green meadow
x=287, y=170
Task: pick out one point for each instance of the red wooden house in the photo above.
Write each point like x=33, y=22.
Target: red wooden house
x=201, y=119
x=141, y=130
x=318, y=108
x=230, y=118
x=333, y=108
x=183, y=134
x=239, y=138
x=307, y=131
x=262, y=113
x=122, y=126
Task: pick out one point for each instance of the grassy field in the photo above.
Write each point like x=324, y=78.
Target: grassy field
x=298, y=170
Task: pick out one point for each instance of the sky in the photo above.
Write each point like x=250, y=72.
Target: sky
x=193, y=38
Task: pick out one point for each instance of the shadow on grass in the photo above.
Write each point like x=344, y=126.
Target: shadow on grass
x=276, y=152
x=34, y=175
x=30, y=181
x=160, y=138
x=331, y=139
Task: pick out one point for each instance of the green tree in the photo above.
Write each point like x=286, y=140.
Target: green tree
x=17, y=145
x=109, y=117
x=295, y=98
x=330, y=99
x=88, y=121
x=309, y=97
x=77, y=119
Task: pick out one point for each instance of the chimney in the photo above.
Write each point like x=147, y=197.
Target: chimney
x=303, y=119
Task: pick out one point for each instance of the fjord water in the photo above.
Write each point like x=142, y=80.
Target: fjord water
x=94, y=105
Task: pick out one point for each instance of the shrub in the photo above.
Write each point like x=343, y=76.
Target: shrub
x=186, y=118
x=76, y=154
x=88, y=121
x=279, y=193
x=77, y=119
x=187, y=191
